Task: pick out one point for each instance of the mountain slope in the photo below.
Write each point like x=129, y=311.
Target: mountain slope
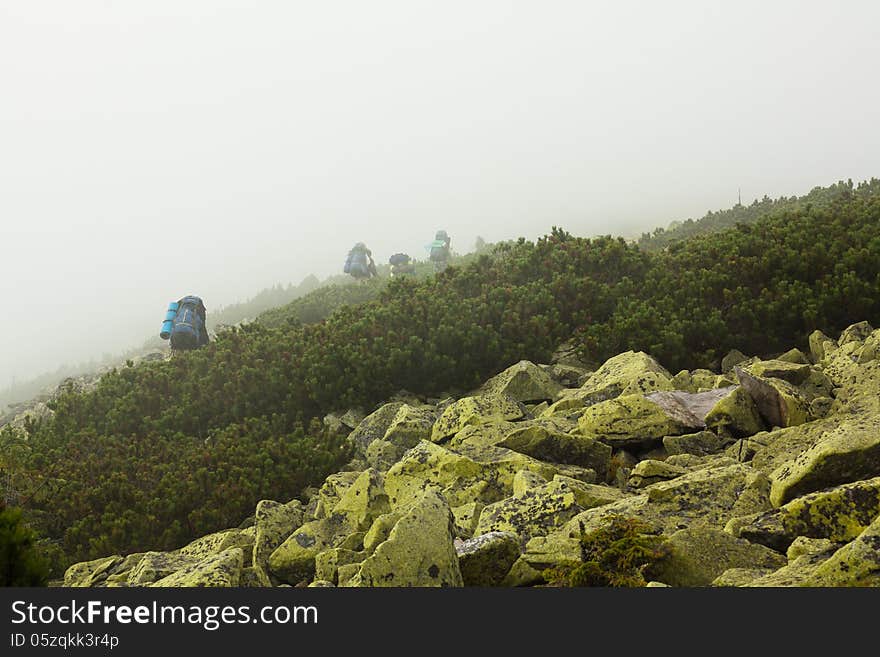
x=752, y=288
x=714, y=222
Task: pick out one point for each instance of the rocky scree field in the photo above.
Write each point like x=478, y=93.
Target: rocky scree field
x=766, y=473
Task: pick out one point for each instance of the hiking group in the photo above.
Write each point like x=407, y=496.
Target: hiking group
x=360, y=265
x=185, y=324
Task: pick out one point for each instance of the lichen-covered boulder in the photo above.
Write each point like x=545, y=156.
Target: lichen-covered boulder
x=536, y=512
x=838, y=514
x=779, y=402
x=250, y=579
x=740, y=576
x=855, y=564
x=630, y=420
x=820, y=407
x=218, y=570
x=586, y=495
x=484, y=435
x=870, y=348
x=89, y=573
x=380, y=529
x=331, y=490
x=467, y=516
x=432, y=466
x=683, y=381
x=149, y=567
x=845, y=452
x=373, y=426
x=327, y=563
x=842, y=366
x=294, y=560
x=274, y=522
x=794, y=356
x=855, y=333
x=410, y=425
x=540, y=553
x=153, y=566
x=218, y=542
x=526, y=480
x=523, y=382
x=857, y=387
x=117, y=573
x=568, y=375
x=818, y=384
x=768, y=450
x=708, y=497
x=569, y=404
x=796, y=573
x=735, y=414
x=697, y=556
x=419, y=550
x=808, y=546
x=486, y=559
x=364, y=501
x=627, y=373
x=697, y=381
x=479, y=409
x=382, y=454
x=792, y=372
x=650, y=471
x=701, y=443
x=704, y=380
x=548, y=445
x=732, y=358
x=470, y=473
x=693, y=462
x=821, y=346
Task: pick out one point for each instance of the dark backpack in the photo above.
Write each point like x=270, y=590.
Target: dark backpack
x=189, y=331
x=398, y=259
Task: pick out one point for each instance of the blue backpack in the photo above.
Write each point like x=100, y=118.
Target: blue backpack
x=188, y=330
x=356, y=263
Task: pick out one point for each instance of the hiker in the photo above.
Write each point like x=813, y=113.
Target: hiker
x=401, y=265
x=359, y=262
x=439, y=250
x=185, y=324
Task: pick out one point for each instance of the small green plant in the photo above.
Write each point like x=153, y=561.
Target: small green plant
x=21, y=563
x=616, y=555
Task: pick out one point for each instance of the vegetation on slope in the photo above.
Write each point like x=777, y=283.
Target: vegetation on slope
x=168, y=451
x=714, y=222
x=21, y=564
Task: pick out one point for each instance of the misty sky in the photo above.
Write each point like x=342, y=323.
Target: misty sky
x=154, y=149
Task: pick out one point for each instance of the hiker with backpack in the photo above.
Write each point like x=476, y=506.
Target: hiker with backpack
x=359, y=263
x=439, y=250
x=401, y=265
x=185, y=324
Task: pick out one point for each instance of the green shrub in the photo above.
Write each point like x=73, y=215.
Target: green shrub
x=21, y=563
x=616, y=555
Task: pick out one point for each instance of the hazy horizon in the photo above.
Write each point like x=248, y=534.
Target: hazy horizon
x=218, y=148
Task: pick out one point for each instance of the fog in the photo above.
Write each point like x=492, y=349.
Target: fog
x=154, y=149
